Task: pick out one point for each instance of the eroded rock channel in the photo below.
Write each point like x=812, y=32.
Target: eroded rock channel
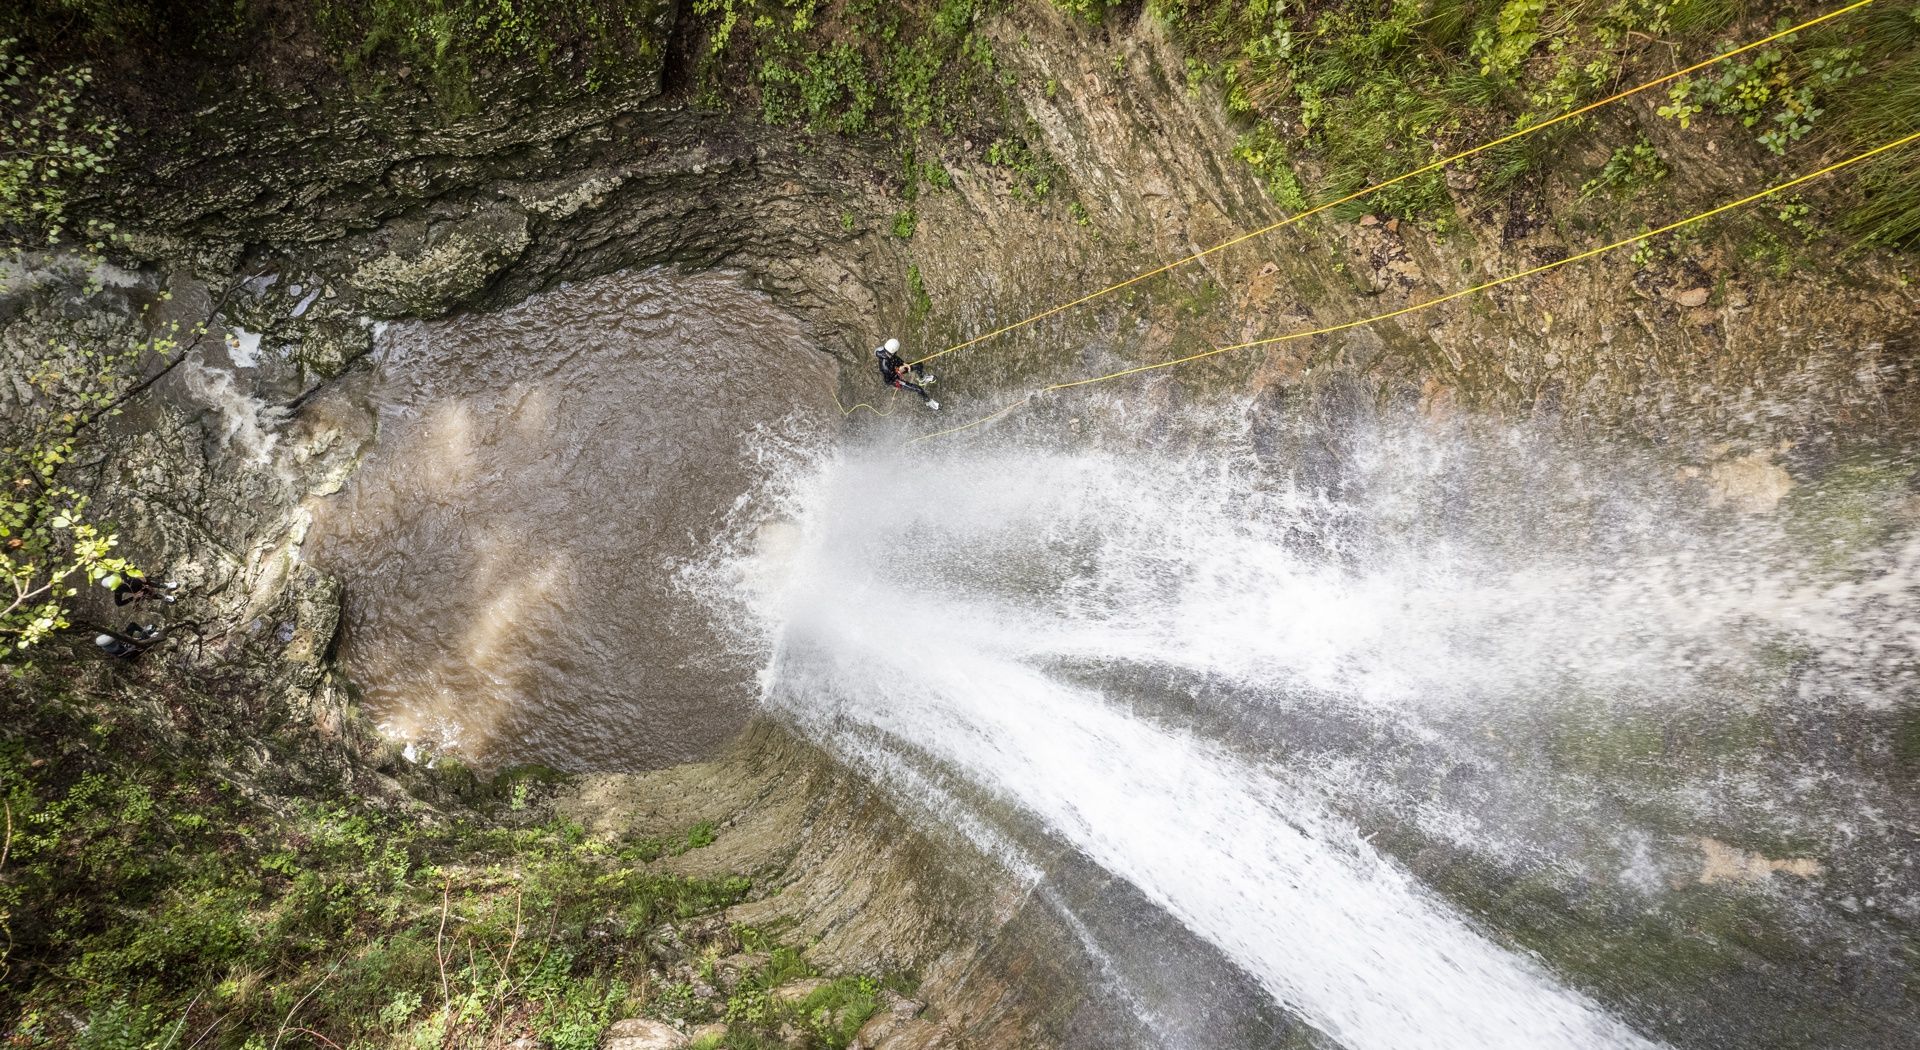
x=1534, y=671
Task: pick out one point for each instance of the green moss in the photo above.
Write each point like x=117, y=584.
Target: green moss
x=858, y=68
x=919, y=303
x=1612, y=745
x=1365, y=94
x=1906, y=743
x=1851, y=509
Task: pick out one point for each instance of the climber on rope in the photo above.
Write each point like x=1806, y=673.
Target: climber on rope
x=901, y=375
x=136, y=640
x=131, y=588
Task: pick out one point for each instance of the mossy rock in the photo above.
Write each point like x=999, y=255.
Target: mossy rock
x=1852, y=508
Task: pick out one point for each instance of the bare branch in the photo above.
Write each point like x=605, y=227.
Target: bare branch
x=296, y=1006
x=439, y=956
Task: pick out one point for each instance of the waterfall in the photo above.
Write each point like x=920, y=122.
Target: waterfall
x=1114, y=639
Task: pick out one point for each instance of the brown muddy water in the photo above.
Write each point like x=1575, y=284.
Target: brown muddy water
x=509, y=543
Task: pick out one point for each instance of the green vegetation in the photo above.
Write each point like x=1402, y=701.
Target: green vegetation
x=756, y=1008
x=1093, y=10
x=154, y=894
x=1358, y=96
x=1773, y=91
x=449, y=46
x=1264, y=151
x=451, y=41
x=55, y=139
x=1881, y=106
x=1034, y=173
x=866, y=66
x=919, y=302
x=1628, y=169
x=902, y=71
x=1334, y=97
x=151, y=895
x=49, y=546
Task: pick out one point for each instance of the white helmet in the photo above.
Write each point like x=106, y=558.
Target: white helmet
x=104, y=641
x=893, y=346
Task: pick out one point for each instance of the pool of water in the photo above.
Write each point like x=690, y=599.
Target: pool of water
x=508, y=545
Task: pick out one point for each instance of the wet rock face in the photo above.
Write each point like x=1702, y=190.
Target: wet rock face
x=430, y=267
x=203, y=479
x=899, y=1026
x=265, y=160
x=400, y=210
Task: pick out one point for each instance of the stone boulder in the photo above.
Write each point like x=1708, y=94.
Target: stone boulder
x=897, y=1025
x=639, y=1033
x=729, y=971
x=428, y=267
x=794, y=993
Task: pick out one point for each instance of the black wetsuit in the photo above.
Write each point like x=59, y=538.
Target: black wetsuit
x=134, y=589
x=890, y=365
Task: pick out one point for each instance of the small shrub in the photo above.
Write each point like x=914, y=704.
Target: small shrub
x=1628, y=168
x=700, y=835
x=918, y=301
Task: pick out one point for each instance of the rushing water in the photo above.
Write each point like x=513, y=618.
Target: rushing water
x=1205, y=659
x=507, y=544
x=1435, y=736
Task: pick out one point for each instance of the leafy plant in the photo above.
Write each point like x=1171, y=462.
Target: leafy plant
x=700, y=835
x=49, y=547
x=55, y=138
x=1263, y=150
x=1093, y=10
x=1629, y=167
x=1504, y=45
x=1777, y=94
x=1033, y=172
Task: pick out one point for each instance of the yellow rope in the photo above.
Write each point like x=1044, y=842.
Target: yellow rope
x=1449, y=297
x=1377, y=187
x=846, y=411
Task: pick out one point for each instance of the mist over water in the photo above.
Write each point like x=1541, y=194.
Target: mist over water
x=1216, y=655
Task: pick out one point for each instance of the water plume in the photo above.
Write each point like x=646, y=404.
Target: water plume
x=1196, y=652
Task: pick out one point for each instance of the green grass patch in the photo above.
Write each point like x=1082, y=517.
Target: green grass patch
x=147, y=891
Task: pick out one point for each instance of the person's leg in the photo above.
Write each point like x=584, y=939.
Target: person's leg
x=916, y=388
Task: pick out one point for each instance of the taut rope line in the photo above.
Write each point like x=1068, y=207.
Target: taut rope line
x=1449, y=297
x=1377, y=187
